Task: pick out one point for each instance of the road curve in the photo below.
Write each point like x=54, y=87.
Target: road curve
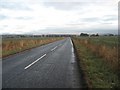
x=48, y=66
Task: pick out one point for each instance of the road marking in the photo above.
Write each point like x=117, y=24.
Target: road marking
x=35, y=61
x=72, y=46
x=54, y=48
x=71, y=42
x=73, y=55
x=60, y=44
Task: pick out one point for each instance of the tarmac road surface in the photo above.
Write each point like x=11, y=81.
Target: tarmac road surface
x=48, y=66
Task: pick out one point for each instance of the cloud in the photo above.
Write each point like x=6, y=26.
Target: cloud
x=13, y=5
x=2, y=17
x=43, y=16
x=63, y=5
x=53, y=30
x=74, y=4
x=24, y=18
x=110, y=18
x=95, y=19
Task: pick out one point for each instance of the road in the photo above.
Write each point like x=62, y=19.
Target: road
x=48, y=66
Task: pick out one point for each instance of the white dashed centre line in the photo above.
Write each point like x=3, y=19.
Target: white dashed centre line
x=35, y=61
x=60, y=44
x=54, y=48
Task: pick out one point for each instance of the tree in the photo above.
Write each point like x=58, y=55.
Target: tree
x=84, y=34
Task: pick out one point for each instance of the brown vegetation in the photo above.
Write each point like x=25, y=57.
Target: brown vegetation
x=98, y=61
x=16, y=45
x=110, y=55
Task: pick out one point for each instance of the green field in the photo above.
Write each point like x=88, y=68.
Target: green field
x=110, y=41
x=98, y=60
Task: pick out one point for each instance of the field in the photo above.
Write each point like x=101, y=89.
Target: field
x=98, y=56
x=15, y=45
x=99, y=60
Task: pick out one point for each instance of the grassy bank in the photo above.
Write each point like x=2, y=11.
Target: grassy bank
x=15, y=45
x=98, y=60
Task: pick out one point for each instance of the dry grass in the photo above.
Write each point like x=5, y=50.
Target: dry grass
x=110, y=54
x=11, y=46
x=99, y=63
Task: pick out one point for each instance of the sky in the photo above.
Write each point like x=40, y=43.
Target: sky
x=58, y=16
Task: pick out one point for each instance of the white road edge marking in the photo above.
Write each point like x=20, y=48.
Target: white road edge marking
x=73, y=55
x=54, y=48
x=72, y=45
x=71, y=42
x=35, y=61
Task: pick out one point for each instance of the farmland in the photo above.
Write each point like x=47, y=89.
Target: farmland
x=98, y=57
x=15, y=45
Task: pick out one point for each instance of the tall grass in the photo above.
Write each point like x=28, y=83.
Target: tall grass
x=110, y=54
x=99, y=61
x=11, y=46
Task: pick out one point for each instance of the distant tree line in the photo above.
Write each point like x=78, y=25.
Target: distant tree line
x=92, y=35
x=33, y=36
x=95, y=35
x=55, y=35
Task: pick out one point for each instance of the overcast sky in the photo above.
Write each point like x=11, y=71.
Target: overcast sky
x=58, y=16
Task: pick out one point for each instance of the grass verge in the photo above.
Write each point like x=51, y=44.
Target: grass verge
x=97, y=72
x=13, y=46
